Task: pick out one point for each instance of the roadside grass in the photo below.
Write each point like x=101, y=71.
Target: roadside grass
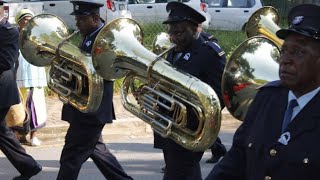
x=228, y=40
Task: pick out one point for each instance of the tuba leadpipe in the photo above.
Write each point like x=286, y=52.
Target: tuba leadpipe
x=154, y=90
x=44, y=41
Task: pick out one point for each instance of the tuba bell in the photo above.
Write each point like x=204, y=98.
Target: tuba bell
x=161, y=44
x=264, y=22
x=254, y=62
x=153, y=90
x=44, y=41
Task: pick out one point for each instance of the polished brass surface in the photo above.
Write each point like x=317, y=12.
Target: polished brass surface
x=264, y=22
x=165, y=96
x=161, y=43
x=44, y=41
x=251, y=65
x=39, y=38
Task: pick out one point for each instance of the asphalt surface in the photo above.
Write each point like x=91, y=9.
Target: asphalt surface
x=126, y=125
x=128, y=138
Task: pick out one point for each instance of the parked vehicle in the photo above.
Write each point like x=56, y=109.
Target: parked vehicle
x=152, y=11
x=60, y=8
x=117, y=9
x=231, y=15
x=12, y=7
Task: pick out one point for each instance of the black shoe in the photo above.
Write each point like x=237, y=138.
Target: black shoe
x=35, y=171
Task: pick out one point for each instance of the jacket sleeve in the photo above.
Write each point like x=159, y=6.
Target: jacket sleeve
x=214, y=67
x=8, y=48
x=233, y=164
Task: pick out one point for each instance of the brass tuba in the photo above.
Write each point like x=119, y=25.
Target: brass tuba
x=264, y=22
x=44, y=41
x=161, y=43
x=153, y=90
x=253, y=63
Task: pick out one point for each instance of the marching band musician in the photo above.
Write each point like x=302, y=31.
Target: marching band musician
x=200, y=58
x=9, y=95
x=83, y=139
x=218, y=149
x=277, y=139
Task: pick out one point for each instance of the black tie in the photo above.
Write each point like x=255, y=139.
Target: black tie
x=288, y=114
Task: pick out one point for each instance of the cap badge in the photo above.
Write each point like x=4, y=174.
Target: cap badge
x=186, y=56
x=297, y=20
x=76, y=7
x=88, y=43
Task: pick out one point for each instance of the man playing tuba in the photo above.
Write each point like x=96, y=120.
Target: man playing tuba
x=83, y=139
x=195, y=56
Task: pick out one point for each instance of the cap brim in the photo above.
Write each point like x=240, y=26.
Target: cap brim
x=283, y=33
x=80, y=13
x=171, y=20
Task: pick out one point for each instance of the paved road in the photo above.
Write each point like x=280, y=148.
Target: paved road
x=128, y=138
x=136, y=154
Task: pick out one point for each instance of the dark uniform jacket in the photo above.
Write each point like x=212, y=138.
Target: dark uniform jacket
x=257, y=154
x=105, y=113
x=203, y=62
x=9, y=53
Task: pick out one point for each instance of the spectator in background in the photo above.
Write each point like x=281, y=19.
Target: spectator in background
x=9, y=96
x=31, y=80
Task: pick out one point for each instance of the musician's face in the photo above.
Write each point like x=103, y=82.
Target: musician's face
x=300, y=63
x=86, y=23
x=182, y=34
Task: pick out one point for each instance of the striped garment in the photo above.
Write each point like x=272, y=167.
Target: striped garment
x=29, y=75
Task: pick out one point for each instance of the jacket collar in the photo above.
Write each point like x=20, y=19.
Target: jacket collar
x=307, y=118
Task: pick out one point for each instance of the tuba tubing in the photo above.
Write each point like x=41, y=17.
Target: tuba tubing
x=264, y=21
x=163, y=96
x=253, y=63
x=44, y=42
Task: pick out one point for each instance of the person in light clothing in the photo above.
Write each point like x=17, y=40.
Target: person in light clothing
x=31, y=81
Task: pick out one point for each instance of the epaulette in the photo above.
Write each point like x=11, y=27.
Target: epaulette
x=216, y=48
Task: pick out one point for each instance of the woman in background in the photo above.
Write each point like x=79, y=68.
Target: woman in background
x=31, y=80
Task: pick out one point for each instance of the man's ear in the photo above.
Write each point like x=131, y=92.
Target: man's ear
x=96, y=18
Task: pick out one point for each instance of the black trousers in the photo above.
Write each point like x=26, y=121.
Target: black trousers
x=84, y=141
x=181, y=163
x=217, y=147
x=11, y=147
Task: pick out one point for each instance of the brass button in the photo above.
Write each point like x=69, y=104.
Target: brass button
x=305, y=160
x=249, y=145
x=267, y=178
x=273, y=152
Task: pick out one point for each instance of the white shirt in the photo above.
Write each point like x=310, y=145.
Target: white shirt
x=29, y=75
x=302, y=101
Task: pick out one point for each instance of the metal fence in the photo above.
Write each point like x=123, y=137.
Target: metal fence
x=284, y=6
